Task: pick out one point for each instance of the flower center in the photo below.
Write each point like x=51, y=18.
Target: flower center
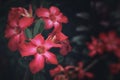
x=53, y=18
x=17, y=30
x=41, y=49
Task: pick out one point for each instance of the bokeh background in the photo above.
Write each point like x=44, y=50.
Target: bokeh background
x=86, y=18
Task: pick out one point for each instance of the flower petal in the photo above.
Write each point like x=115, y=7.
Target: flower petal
x=27, y=49
x=37, y=64
x=50, y=57
x=25, y=22
x=49, y=44
x=42, y=12
x=13, y=43
x=89, y=75
x=54, y=10
x=48, y=23
x=9, y=32
x=61, y=18
x=38, y=40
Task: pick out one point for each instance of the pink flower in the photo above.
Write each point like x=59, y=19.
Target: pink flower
x=39, y=48
x=57, y=70
x=110, y=40
x=82, y=73
x=18, y=20
x=66, y=47
x=95, y=47
x=59, y=38
x=62, y=73
x=52, y=17
x=61, y=77
x=15, y=36
x=115, y=68
x=20, y=16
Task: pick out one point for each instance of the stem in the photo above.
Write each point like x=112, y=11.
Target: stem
x=94, y=62
x=91, y=65
x=26, y=75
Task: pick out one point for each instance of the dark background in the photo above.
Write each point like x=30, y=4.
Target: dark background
x=69, y=8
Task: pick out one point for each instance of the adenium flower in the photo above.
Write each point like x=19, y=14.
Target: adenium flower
x=38, y=47
x=18, y=20
x=110, y=40
x=59, y=38
x=95, y=47
x=60, y=71
x=52, y=17
x=20, y=16
x=114, y=68
x=66, y=47
x=61, y=77
x=15, y=36
x=82, y=73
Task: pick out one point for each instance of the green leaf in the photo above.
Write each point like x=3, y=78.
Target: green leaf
x=60, y=58
x=39, y=27
x=28, y=33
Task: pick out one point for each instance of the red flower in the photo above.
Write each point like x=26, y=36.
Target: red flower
x=61, y=73
x=59, y=38
x=61, y=77
x=95, y=47
x=117, y=52
x=57, y=70
x=16, y=36
x=52, y=17
x=18, y=20
x=20, y=16
x=82, y=73
x=66, y=47
x=115, y=68
x=110, y=40
x=39, y=48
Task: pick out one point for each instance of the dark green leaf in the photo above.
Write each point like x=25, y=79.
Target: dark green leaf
x=39, y=27
x=60, y=58
x=28, y=33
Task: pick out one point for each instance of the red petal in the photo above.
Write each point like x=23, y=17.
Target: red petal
x=48, y=23
x=112, y=35
x=49, y=44
x=38, y=40
x=9, y=32
x=50, y=57
x=27, y=49
x=37, y=64
x=92, y=53
x=54, y=10
x=61, y=18
x=25, y=22
x=89, y=75
x=56, y=70
x=103, y=37
x=42, y=12
x=90, y=46
x=13, y=43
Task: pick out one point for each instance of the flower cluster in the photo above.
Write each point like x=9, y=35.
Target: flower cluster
x=20, y=20
x=70, y=72
x=109, y=42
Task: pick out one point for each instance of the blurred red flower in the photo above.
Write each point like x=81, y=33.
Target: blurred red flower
x=82, y=73
x=95, y=47
x=110, y=40
x=114, y=68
